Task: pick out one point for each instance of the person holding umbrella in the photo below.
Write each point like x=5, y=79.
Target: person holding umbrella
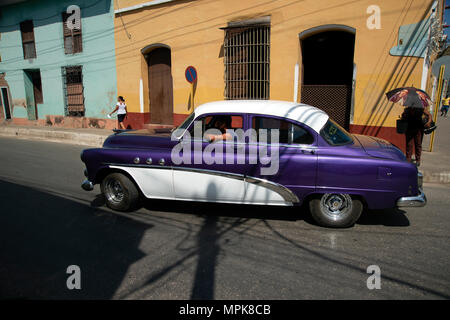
x=417, y=115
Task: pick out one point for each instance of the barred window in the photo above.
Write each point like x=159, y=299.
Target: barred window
x=73, y=91
x=72, y=38
x=28, y=45
x=247, y=62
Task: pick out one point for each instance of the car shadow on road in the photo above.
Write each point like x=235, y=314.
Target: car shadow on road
x=394, y=217
x=293, y=213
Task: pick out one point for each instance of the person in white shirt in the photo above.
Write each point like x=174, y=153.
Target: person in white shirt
x=121, y=109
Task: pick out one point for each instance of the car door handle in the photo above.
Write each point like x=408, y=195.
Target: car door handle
x=310, y=151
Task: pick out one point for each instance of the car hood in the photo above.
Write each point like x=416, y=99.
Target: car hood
x=379, y=148
x=141, y=139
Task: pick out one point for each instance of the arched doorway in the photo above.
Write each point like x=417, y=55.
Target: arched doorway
x=327, y=58
x=160, y=84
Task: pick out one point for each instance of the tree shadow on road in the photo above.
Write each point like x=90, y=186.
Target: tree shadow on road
x=41, y=234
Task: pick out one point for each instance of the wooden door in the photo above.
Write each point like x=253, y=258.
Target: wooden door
x=160, y=86
x=4, y=102
x=37, y=89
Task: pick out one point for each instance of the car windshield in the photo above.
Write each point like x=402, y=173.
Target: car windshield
x=335, y=135
x=183, y=126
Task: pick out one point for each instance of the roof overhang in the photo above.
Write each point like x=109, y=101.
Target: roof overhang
x=142, y=6
x=4, y=3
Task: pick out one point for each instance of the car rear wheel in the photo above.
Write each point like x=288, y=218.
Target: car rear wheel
x=335, y=210
x=120, y=192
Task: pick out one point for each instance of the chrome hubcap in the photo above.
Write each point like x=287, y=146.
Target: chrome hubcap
x=114, y=191
x=336, y=206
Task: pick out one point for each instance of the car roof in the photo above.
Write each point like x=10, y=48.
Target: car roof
x=303, y=113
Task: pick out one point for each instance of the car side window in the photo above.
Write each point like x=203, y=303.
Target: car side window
x=216, y=121
x=289, y=133
x=301, y=136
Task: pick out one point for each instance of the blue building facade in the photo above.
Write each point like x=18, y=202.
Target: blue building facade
x=56, y=69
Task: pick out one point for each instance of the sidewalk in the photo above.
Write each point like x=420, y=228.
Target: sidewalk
x=435, y=165
x=86, y=137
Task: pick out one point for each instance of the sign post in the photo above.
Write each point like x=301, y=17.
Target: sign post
x=191, y=77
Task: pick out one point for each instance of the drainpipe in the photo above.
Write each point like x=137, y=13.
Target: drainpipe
x=296, y=68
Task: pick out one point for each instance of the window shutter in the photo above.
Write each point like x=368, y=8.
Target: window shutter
x=28, y=45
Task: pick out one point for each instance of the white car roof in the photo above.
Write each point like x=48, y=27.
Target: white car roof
x=303, y=113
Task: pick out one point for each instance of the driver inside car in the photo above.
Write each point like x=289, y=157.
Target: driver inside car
x=221, y=123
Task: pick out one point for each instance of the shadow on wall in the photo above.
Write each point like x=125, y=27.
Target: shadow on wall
x=45, y=17
x=381, y=108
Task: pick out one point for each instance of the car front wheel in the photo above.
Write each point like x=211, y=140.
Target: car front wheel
x=335, y=210
x=120, y=192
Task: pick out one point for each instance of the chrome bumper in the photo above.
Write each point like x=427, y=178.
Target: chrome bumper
x=415, y=201
x=87, y=185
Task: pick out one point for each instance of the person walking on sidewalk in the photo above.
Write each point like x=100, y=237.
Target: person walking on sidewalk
x=414, y=131
x=121, y=109
x=445, y=106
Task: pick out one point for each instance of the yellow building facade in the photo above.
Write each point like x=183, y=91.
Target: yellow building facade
x=339, y=55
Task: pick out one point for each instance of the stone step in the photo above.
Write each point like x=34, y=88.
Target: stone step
x=159, y=128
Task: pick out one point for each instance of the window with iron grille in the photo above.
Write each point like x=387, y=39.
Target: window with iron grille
x=73, y=91
x=28, y=45
x=72, y=37
x=247, y=62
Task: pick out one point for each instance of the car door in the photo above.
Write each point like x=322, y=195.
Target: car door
x=213, y=171
x=286, y=169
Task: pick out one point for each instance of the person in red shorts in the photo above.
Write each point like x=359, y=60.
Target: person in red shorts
x=414, y=131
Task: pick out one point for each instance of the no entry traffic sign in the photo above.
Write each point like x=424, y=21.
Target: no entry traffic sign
x=191, y=74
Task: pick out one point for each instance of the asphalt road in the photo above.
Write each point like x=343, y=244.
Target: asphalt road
x=170, y=250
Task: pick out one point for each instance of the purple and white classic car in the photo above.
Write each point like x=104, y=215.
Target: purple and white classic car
x=256, y=152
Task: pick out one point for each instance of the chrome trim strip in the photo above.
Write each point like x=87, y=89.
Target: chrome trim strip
x=260, y=144
x=287, y=194
x=414, y=201
x=136, y=165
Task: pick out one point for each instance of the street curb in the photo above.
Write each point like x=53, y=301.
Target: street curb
x=78, y=138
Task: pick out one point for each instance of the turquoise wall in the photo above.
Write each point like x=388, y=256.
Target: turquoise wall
x=97, y=58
